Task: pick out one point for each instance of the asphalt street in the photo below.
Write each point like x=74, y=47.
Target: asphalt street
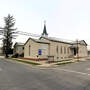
x=17, y=76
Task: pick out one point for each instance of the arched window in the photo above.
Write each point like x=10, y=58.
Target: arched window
x=61, y=50
x=29, y=49
x=68, y=50
x=57, y=49
x=64, y=50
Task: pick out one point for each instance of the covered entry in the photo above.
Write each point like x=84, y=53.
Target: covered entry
x=73, y=50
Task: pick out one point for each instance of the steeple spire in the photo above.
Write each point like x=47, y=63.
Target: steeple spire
x=44, y=30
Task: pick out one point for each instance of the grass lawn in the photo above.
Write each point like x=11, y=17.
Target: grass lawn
x=23, y=61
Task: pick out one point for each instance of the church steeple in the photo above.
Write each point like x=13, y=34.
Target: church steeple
x=44, y=30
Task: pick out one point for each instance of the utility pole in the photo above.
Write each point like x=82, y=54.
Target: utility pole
x=77, y=50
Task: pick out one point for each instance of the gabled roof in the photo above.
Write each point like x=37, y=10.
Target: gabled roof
x=82, y=42
x=19, y=44
x=37, y=40
x=54, y=39
x=57, y=40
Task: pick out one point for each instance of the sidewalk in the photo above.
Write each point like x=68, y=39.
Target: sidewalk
x=55, y=64
x=45, y=64
x=42, y=63
x=63, y=62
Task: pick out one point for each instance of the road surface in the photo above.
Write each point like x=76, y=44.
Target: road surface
x=17, y=76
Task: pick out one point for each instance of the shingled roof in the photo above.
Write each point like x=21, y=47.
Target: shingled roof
x=54, y=39
x=37, y=40
x=19, y=43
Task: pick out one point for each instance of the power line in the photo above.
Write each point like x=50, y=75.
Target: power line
x=21, y=33
x=28, y=34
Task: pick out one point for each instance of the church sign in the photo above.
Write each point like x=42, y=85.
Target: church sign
x=39, y=52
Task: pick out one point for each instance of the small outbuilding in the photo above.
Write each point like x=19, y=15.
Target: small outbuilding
x=18, y=48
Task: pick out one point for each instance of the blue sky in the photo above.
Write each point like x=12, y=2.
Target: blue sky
x=68, y=19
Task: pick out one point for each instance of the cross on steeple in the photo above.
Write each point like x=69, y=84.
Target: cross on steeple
x=44, y=30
